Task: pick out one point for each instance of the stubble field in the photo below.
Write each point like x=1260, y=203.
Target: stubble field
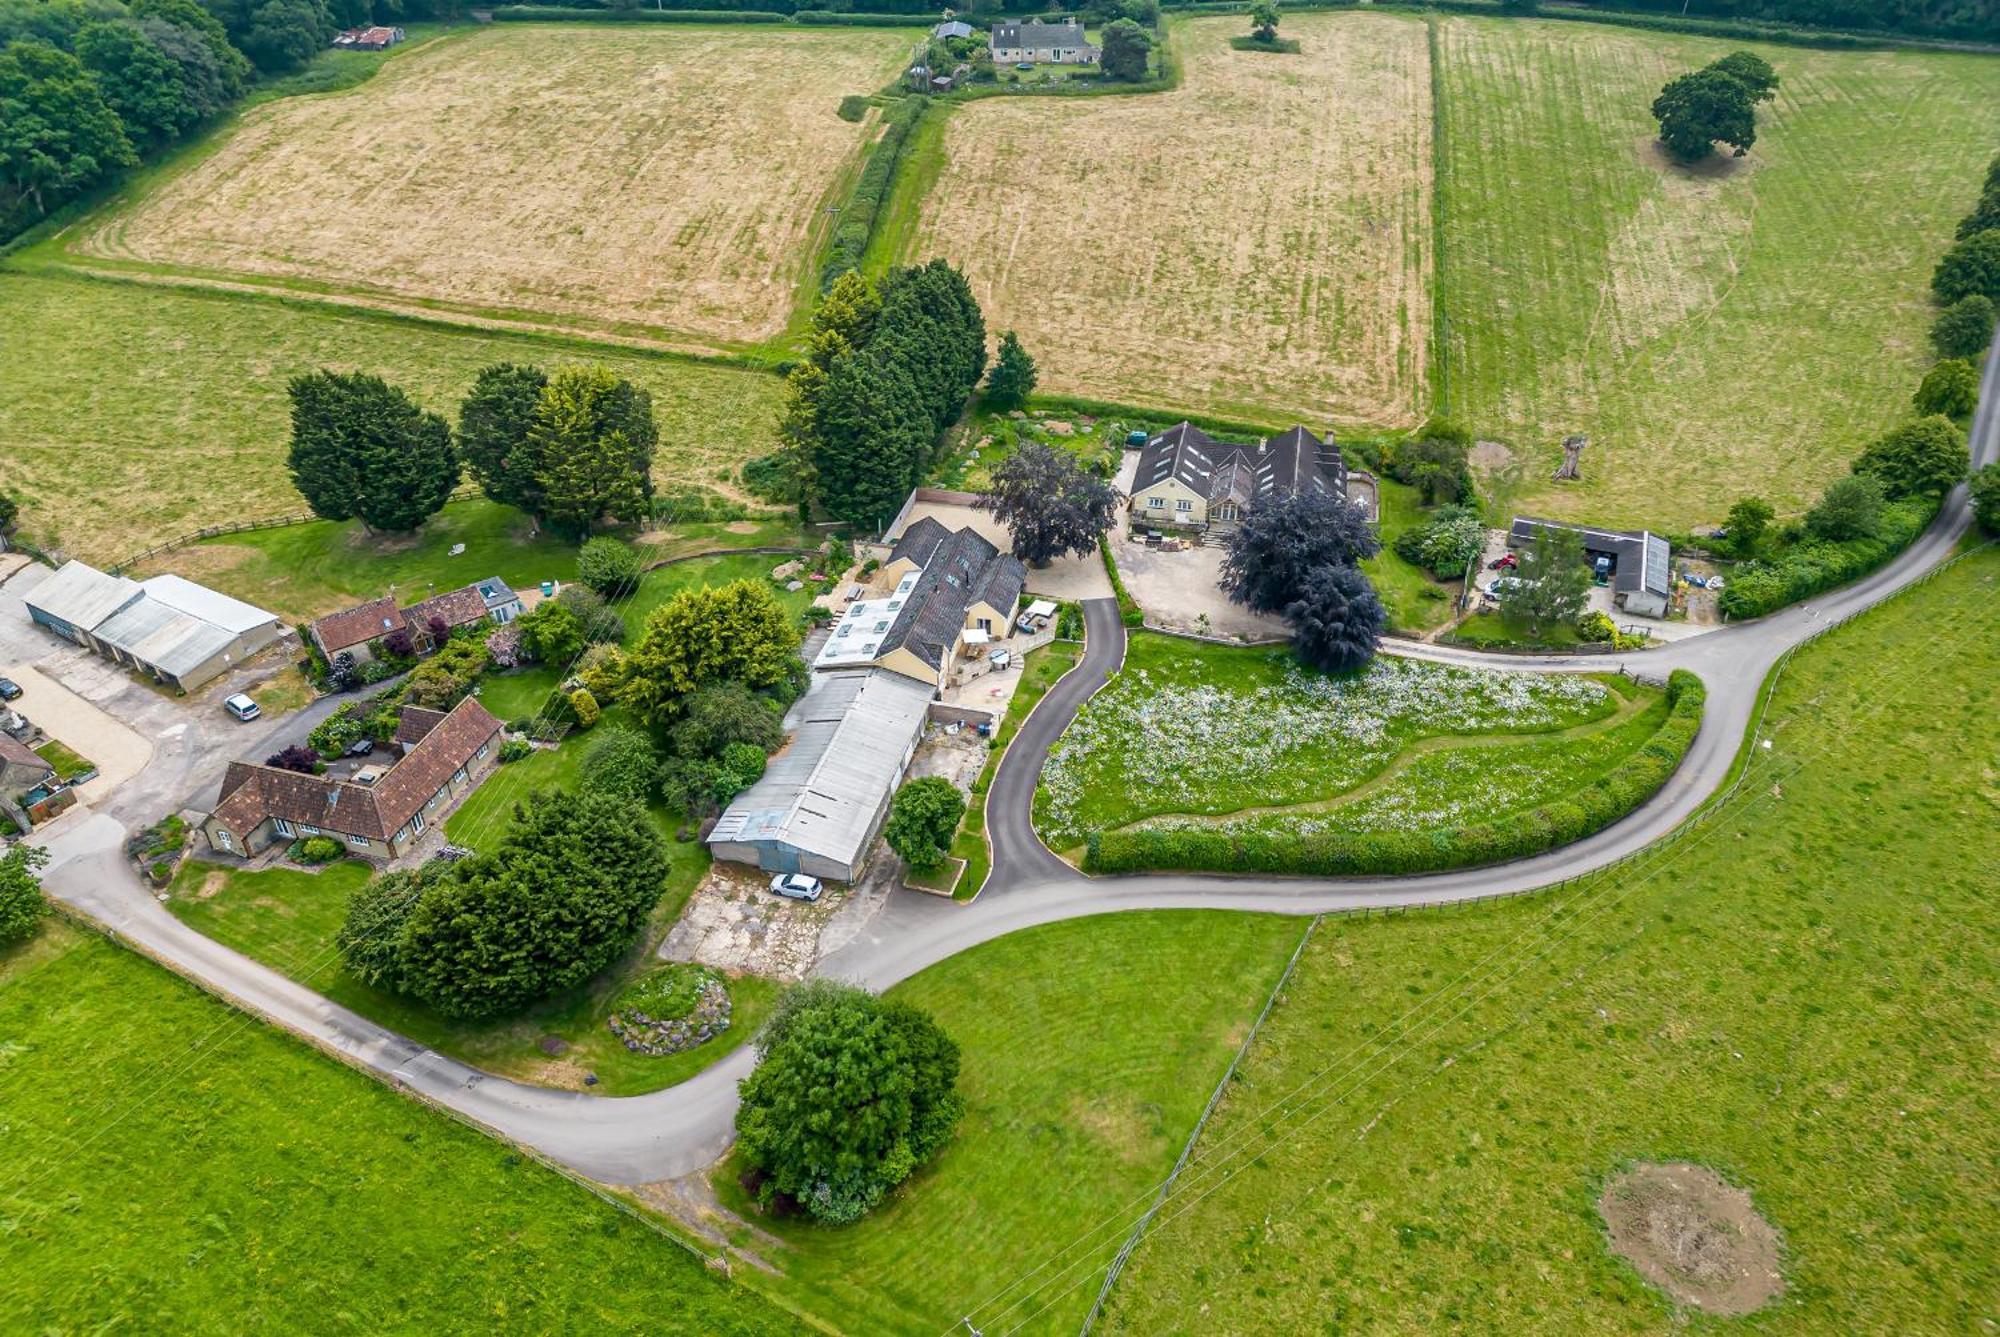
x=1741, y=328
x=1256, y=243
x=604, y=178
x=133, y=414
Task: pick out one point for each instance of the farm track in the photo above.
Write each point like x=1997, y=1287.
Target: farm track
x=641, y=1139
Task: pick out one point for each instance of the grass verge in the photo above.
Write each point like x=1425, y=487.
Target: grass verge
x=1039, y=672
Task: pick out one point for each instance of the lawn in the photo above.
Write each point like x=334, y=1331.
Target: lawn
x=1089, y=1049
x=66, y=761
x=174, y=1166
x=287, y=919
x=1194, y=733
x=708, y=157
x=135, y=414
x=1415, y=602
x=1800, y=994
x=1254, y=244
x=1741, y=328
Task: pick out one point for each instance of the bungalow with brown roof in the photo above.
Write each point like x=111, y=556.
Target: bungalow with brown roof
x=355, y=629
x=378, y=812
x=21, y=767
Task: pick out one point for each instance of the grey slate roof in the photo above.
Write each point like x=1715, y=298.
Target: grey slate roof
x=959, y=568
x=952, y=28
x=166, y=638
x=919, y=541
x=1033, y=32
x=1644, y=559
x=824, y=792
x=82, y=595
x=1292, y=462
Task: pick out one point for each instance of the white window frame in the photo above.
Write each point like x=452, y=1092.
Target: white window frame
x=1183, y=505
x=285, y=828
x=358, y=842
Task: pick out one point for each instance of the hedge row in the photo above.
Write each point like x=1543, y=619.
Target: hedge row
x=1129, y=611
x=1813, y=566
x=564, y=14
x=1518, y=836
x=818, y=18
x=858, y=216
x=1740, y=29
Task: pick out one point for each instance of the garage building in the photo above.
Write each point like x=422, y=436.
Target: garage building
x=168, y=627
x=1641, y=561
x=822, y=801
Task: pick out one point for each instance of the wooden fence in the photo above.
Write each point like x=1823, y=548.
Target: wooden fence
x=465, y=493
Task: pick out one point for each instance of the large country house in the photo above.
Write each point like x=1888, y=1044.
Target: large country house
x=1032, y=41
x=378, y=811
x=1188, y=478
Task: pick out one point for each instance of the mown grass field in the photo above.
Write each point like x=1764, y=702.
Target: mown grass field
x=1207, y=735
x=628, y=179
x=1799, y=995
x=1089, y=1050
x=1256, y=243
x=1740, y=328
x=134, y=414
x=175, y=1166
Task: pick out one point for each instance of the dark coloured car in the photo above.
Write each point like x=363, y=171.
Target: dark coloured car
x=9, y=690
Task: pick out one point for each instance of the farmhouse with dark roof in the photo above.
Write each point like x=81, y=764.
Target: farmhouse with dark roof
x=953, y=590
x=1031, y=41
x=1186, y=477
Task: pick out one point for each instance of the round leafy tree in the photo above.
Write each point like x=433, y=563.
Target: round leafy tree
x=1697, y=110
x=1950, y=388
x=22, y=904
x=609, y=566
x=1050, y=504
x=1964, y=328
x=1922, y=458
x=1278, y=545
x=851, y=1094
x=1970, y=269
x=923, y=818
x=621, y=762
x=1986, y=498
x=1337, y=619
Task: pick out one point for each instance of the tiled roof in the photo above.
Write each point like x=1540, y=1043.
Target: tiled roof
x=1033, y=32
x=1292, y=462
x=252, y=793
x=417, y=721
x=13, y=752
x=357, y=626
x=458, y=608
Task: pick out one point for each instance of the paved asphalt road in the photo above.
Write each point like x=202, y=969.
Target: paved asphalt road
x=638, y=1139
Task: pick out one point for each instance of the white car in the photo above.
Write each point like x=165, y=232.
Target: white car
x=242, y=707
x=796, y=887
x=1499, y=584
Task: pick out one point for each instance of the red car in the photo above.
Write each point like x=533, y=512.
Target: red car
x=1506, y=561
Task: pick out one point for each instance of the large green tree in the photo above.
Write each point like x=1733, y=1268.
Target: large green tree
x=593, y=435
x=1986, y=498
x=923, y=818
x=1849, y=509
x=362, y=448
x=1964, y=328
x=493, y=422
x=1126, y=47
x=1012, y=378
x=1336, y=620
x=140, y=82
x=22, y=904
x=874, y=439
x=1752, y=71
x=1924, y=457
x=1971, y=268
x=737, y=632
x=1950, y=388
x=622, y=762
x=850, y=1095
x=1551, y=587
x=560, y=897
x=1279, y=543
x=58, y=136
x=1697, y=110
x=723, y=714
x=1050, y=504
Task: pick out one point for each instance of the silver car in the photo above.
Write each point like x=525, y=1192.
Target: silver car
x=242, y=707
x=796, y=887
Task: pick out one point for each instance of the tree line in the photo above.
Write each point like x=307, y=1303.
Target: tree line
x=90, y=87
x=1974, y=19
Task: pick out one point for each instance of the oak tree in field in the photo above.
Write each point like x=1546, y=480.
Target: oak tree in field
x=593, y=434
x=560, y=897
x=1964, y=328
x=1697, y=110
x=22, y=904
x=363, y=449
x=1012, y=378
x=1752, y=71
x=1924, y=457
x=923, y=818
x=1551, y=586
x=1125, y=48
x=1337, y=619
x=1050, y=503
x=493, y=422
x=737, y=632
x=57, y=135
x=1277, y=545
x=1950, y=388
x=1971, y=268
x=1850, y=508
x=850, y=1096
x=1264, y=20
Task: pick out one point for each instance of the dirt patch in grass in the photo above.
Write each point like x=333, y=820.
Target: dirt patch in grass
x=1129, y=1132
x=1693, y=1235
x=211, y=884
x=1257, y=241
x=664, y=180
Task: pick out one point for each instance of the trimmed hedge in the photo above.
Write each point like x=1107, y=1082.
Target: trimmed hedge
x=1129, y=611
x=1348, y=854
x=1813, y=566
x=1738, y=29
x=819, y=18
x=564, y=14
x=859, y=214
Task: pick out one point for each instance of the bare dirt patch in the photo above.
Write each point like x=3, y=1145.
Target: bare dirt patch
x=1257, y=241
x=1696, y=1237
x=666, y=180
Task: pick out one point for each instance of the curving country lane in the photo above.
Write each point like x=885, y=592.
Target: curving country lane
x=640, y=1139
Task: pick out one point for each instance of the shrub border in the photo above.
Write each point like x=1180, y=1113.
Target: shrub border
x=1563, y=821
